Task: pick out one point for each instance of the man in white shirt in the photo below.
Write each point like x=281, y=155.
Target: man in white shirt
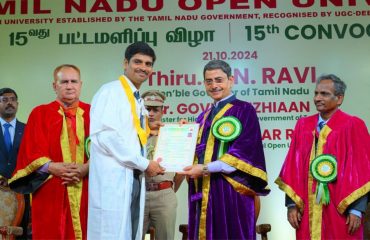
x=118, y=136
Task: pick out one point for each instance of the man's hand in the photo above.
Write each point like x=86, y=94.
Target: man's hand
x=58, y=169
x=193, y=171
x=353, y=223
x=70, y=173
x=154, y=169
x=155, y=125
x=294, y=216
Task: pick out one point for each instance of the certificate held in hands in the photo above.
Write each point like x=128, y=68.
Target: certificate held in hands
x=176, y=146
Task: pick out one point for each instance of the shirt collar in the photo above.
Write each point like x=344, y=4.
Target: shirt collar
x=322, y=120
x=141, y=101
x=222, y=100
x=12, y=122
x=73, y=105
x=132, y=86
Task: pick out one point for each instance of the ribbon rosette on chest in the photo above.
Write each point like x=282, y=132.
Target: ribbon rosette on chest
x=324, y=169
x=226, y=129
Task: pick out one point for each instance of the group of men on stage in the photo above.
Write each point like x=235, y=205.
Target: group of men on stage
x=69, y=145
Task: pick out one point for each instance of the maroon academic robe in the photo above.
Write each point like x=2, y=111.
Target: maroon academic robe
x=347, y=138
x=58, y=211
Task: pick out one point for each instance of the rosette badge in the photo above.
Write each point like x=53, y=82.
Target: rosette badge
x=226, y=129
x=324, y=169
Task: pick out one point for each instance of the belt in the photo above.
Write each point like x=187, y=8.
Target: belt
x=150, y=186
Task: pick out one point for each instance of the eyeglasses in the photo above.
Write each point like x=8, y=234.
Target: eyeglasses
x=215, y=81
x=8, y=99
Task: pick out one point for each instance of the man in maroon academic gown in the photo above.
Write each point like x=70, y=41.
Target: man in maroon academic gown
x=345, y=138
x=223, y=184
x=52, y=164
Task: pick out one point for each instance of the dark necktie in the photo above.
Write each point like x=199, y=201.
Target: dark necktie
x=137, y=95
x=213, y=111
x=138, y=98
x=321, y=125
x=7, y=139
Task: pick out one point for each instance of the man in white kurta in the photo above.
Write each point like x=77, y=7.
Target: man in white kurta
x=116, y=151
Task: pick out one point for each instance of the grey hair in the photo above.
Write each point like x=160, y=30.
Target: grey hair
x=339, y=86
x=217, y=64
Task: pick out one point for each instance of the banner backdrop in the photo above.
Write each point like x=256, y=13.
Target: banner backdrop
x=276, y=49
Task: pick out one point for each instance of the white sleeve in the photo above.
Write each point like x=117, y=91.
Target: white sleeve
x=120, y=149
x=112, y=129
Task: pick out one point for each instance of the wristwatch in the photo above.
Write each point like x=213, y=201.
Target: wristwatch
x=205, y=170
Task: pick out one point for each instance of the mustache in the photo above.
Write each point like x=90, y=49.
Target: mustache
x=215, y=89
x=142, y=71
x=9, y=106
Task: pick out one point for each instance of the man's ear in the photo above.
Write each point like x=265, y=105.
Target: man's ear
x=54, y=85
x=340, y=99
x=125, y=64
x=231, y=78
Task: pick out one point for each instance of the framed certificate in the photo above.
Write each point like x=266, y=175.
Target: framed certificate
x=176, y=146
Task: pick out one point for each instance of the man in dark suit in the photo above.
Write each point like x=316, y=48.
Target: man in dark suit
x=8, y=153
x=11, y=132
